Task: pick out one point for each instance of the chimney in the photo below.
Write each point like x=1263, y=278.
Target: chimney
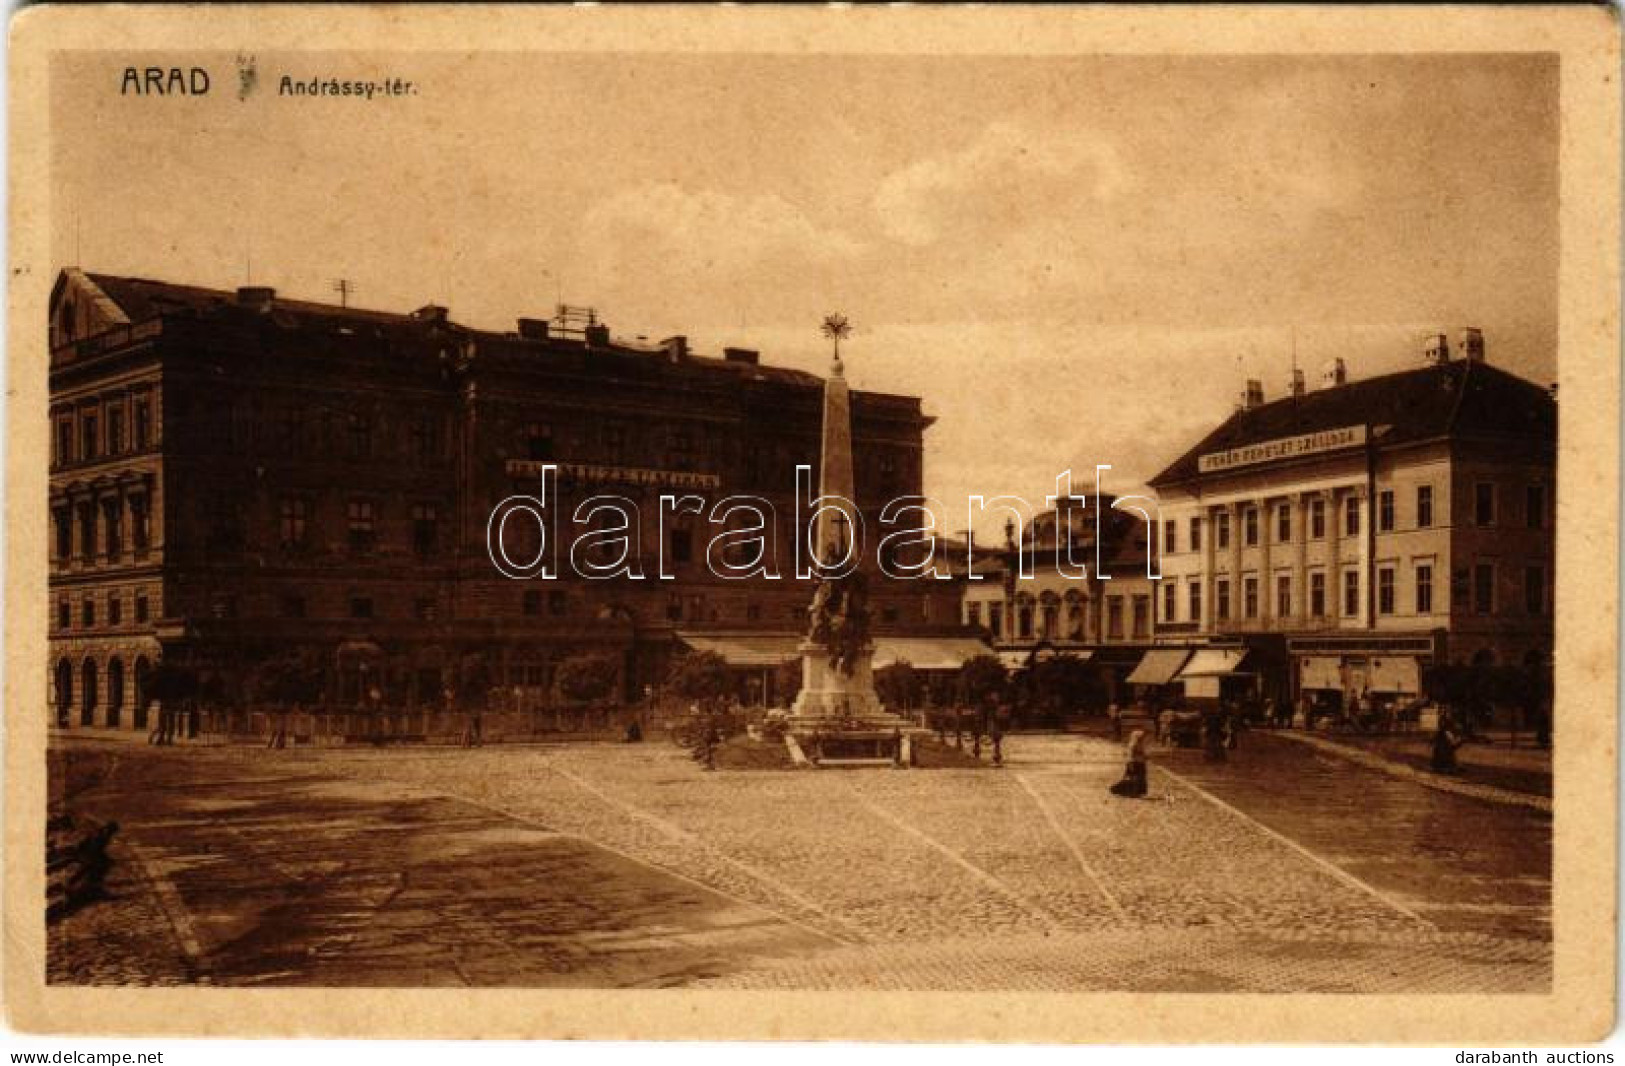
x=1334, y=374
x=1253, y=396
x=534, y=329
x=1471, y=342
x=1436, y=349
x=1297, y=382
x=597, y=336
x=431, y=313
x=258, y=297
x=742, y=355
x=676, y=348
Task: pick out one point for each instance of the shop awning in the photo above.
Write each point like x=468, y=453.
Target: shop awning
x=1395, y=673
x=1320, y=672
x=756, y=649
x=1214, y=662
x=928, y=653
x=771, y=649
x=1017, y=659
x=1159, y=666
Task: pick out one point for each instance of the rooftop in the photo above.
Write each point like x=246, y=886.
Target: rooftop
x=1462, y=398
x=144, y=300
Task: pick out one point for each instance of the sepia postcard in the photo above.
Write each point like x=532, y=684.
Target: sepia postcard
x=893, y=524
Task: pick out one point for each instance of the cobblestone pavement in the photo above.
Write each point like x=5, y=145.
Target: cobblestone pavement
x=1464, y=864
x=1411, y=770
x=625, y=864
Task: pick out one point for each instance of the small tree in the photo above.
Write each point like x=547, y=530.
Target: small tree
x=587, y=680
x=787, y=682
x=703, y=679
x=983, y=684
x=293, y=679
x=982, y=681
x=898, y=685
x=1055, y=686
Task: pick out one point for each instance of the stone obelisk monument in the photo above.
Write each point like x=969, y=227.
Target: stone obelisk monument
x=837, y=703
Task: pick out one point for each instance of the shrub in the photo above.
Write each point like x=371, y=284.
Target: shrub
x=587, y=678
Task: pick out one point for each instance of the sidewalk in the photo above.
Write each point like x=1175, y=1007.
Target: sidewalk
x=1500, y=763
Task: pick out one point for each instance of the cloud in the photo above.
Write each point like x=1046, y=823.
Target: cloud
x=679, y=232
x=1007, y=174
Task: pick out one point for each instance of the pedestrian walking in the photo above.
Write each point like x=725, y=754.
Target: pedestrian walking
x=1134, y=783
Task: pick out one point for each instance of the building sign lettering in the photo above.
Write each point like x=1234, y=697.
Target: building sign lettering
x=594, y=474
x=1328, y=440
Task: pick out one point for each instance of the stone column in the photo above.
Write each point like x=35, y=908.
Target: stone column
x=1206, y=576
x=1266, y=577
x=126, y=535
x=1233, y=510
x=1334, y=561
x=1300, y=576
x=1364, y=555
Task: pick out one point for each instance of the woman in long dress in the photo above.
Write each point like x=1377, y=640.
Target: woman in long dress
x=1134, y=776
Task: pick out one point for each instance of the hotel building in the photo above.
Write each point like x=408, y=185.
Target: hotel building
x=1342, y=539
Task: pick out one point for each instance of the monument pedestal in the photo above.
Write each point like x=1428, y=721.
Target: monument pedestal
x=837, y=718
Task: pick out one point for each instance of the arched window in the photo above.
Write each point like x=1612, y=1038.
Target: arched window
x=1050, y=605
x=87, y=698
x=143, y=674
x=115, y=691
x=64, y=692
x=1074, y=614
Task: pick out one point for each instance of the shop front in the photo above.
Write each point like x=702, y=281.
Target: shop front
x=1219, y=675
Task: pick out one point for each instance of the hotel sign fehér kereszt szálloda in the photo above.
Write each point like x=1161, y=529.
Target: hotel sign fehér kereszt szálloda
x=1326, y=440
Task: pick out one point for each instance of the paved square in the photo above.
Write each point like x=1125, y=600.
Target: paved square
x=626, y=865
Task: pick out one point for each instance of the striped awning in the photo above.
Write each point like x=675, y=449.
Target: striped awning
x=756, y=649
x=1214, y=662
x=1159, y=666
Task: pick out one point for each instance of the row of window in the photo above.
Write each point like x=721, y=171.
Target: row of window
x=1485, y=514
x=295, y=525
x=554, y=603
x=1046, y=619
x=350, y=435
x=1479, y=595
x=91, y=618
x=102, y=527
x=112, y=427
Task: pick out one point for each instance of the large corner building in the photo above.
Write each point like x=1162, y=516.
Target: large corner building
x=1353, y=534
x=236, y=477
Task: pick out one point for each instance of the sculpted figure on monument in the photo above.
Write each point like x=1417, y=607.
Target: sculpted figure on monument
x=840, y=619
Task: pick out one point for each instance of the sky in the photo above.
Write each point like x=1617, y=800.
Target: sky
x=1072, y=260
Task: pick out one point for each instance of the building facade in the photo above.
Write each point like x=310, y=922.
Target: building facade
x=248, y=486
x=1352, y=535
x=1103, y=615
